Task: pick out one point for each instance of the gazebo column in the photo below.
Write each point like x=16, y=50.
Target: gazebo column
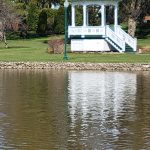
x=116, y=15
x=103, y=15
x=84, y=15
x=73, y=15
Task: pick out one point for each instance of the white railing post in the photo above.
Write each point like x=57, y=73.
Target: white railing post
x=73, y=15
x=103, y=15
x=116, y=16
x=124, y=46
x=135, y=45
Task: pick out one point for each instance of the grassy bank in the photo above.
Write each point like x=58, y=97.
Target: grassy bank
x=144, y=44
x=36, y=50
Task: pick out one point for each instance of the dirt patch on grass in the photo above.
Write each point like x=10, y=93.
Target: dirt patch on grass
x=144, y=49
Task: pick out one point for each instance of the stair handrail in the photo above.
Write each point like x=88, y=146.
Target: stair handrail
x=116, y=39
x=132, y=42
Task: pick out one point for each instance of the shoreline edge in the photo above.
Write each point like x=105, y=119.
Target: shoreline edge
x=77, y=66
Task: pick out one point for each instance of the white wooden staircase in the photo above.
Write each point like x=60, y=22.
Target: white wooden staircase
x=120, y=40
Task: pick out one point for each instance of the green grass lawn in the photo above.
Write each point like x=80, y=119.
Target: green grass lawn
x=144, y=42
x=36, y=50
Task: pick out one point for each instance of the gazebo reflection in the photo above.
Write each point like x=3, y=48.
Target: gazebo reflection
x=98, y=100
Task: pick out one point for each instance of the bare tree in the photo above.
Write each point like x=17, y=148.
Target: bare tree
x=7, y=17
x=134, y=9
x=2, y=34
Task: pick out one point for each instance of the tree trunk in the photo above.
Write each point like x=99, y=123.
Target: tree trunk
x=132, y=26
x=5, y=41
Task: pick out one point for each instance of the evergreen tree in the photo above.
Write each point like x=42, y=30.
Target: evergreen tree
x=33, y=16
x=42, y=24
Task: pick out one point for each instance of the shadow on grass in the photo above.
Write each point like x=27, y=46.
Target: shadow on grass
x=13, y=47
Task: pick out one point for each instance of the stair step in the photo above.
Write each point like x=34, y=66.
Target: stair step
x=113, y=44
x=128, y=48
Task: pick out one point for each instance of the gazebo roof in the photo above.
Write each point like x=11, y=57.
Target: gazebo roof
x=95, y=1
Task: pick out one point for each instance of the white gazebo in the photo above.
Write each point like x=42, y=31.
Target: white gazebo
x=101, y=37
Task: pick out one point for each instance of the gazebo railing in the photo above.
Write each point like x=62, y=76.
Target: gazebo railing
x=84, y=31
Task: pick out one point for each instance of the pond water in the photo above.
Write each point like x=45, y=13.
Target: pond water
x=74, y=110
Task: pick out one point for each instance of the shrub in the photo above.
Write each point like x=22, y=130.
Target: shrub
x=12, y=35
x=56, y=46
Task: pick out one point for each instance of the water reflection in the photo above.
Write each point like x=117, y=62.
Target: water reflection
x=74, y=110
x=103, y=110
x=101, y=91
